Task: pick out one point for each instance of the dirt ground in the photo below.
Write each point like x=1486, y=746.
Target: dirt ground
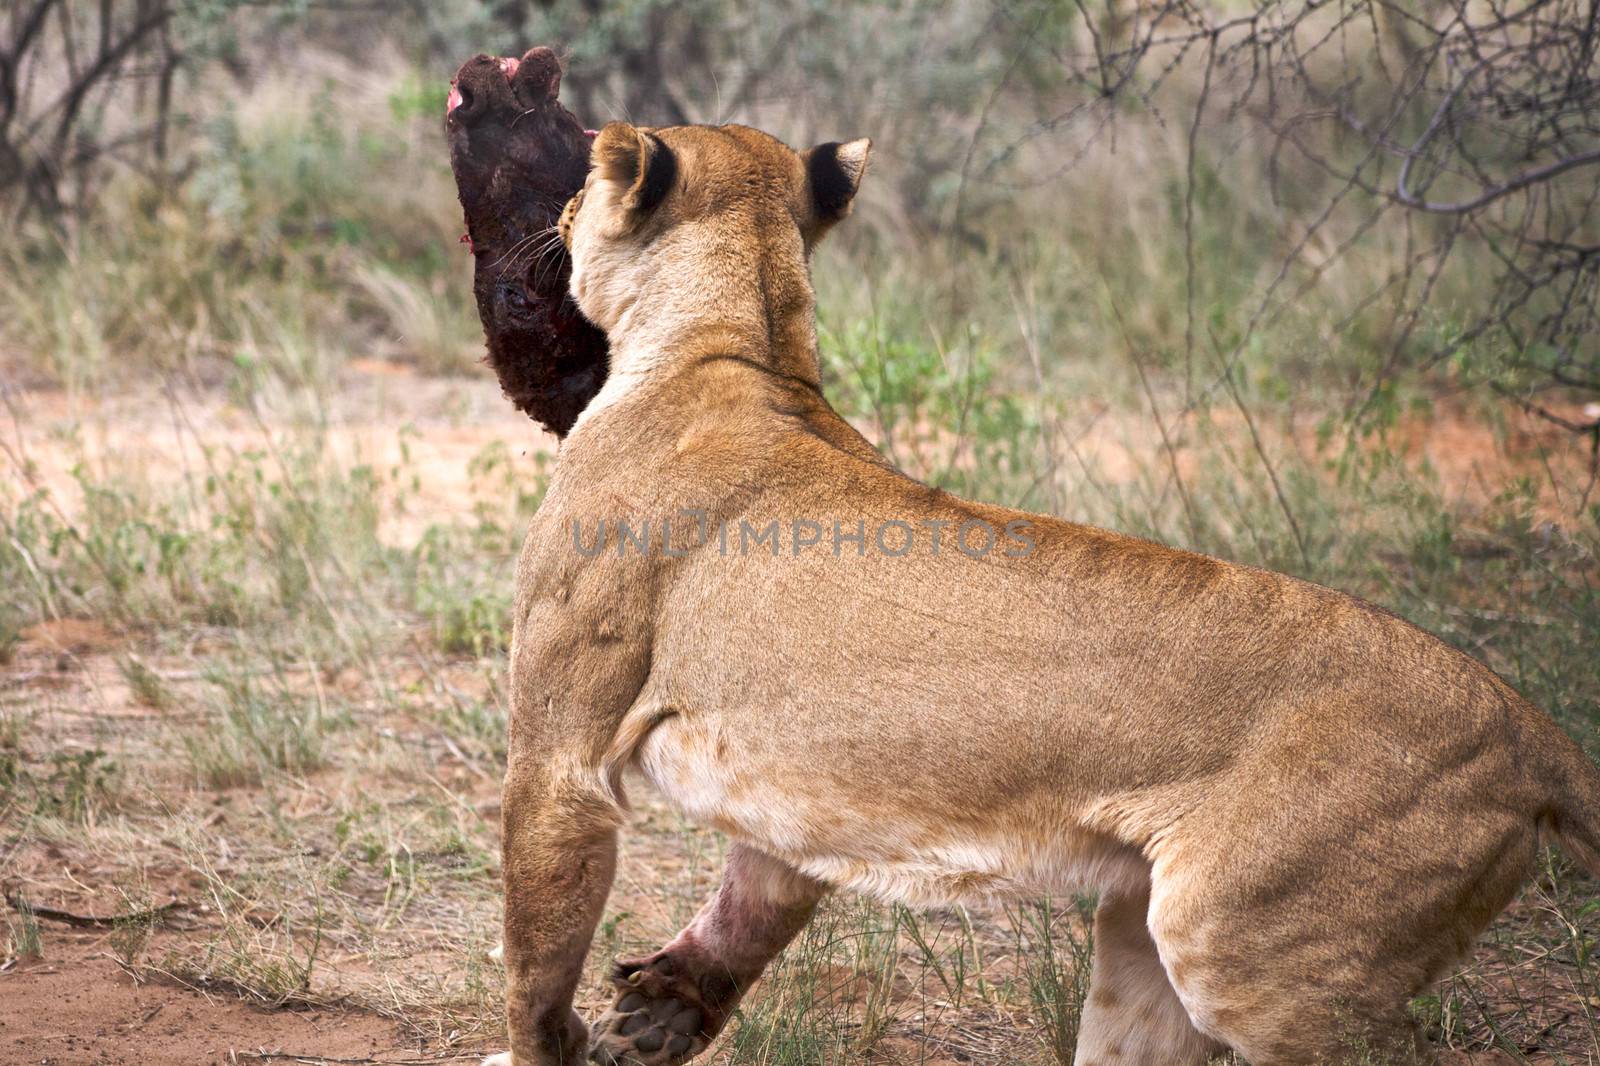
x=344, y=914
x=82, y=1007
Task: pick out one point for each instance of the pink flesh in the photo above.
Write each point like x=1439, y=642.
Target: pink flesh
x=508, y=67
x=758, y=908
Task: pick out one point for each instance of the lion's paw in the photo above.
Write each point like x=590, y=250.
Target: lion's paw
x=654, y=1021
x=502, y=1059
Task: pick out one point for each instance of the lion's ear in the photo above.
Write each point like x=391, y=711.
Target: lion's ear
x=833, y=174
x=639, y=162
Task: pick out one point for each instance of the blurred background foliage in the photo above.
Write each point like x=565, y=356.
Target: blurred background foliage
x=1310, y=285
x=1427, y=170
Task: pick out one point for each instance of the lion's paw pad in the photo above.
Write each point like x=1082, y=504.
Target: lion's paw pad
x=642, y=1031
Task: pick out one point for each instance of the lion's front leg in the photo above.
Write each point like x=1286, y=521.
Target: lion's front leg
x=559, y=856
x=671, y=1004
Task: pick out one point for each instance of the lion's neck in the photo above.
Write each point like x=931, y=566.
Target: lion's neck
x=758, y=305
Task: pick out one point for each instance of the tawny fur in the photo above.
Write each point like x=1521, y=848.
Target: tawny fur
x=1298, y=808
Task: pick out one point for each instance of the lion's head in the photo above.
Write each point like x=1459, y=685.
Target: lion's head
x=698, y=206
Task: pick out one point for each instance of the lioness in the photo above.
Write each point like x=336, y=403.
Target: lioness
x=1297, y=809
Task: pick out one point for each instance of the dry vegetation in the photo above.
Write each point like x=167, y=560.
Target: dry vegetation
x=260, y=505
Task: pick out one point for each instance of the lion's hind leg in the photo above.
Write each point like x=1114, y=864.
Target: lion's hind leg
x=1305, y=951
x=1133, y=1015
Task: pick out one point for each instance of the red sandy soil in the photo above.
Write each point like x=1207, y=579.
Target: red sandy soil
x=80, y=1007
